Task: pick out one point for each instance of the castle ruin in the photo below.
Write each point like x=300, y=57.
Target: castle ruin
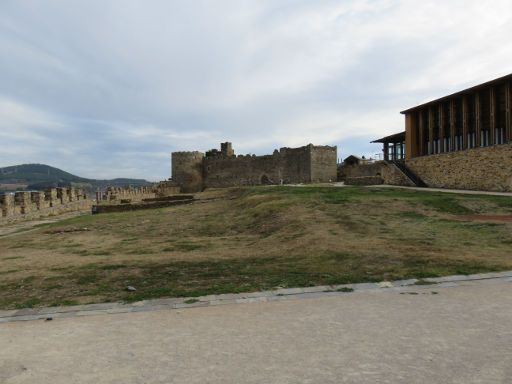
x=195, y=171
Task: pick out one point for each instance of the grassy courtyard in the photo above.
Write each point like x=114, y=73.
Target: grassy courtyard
x=249, y=239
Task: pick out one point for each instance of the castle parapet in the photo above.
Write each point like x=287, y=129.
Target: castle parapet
x=7, y=205
x=117, y=195
x=187, y=170
x=25, y=205
x=50, y=195
x=38, y=200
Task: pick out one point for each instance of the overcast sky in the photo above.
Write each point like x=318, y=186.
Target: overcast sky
x=109, y=89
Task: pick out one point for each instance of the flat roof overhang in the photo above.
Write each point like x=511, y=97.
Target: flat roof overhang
x=395, y=138
x=461, y=93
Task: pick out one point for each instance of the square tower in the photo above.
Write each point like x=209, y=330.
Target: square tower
x=227, y=149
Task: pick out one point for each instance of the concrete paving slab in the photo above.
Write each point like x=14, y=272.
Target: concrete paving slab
x=462, y=334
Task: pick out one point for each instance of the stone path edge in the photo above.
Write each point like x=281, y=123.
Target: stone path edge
x=48, y=313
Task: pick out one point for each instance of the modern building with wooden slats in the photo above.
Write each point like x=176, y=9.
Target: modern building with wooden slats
x=475, y=117
x=463, y=140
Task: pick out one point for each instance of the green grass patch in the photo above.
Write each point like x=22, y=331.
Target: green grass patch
x=30, y=303
x=446, y=205
x=259, y=239
x=412, y=215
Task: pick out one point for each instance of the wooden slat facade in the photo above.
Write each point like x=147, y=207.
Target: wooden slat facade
x=508, y=110
x=447, y=124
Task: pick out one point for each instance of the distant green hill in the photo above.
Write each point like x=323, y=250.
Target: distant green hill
x=41, y=176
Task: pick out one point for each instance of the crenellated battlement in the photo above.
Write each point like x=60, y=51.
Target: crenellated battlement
x=35, y=204
x=120, y=195
x=126, y=194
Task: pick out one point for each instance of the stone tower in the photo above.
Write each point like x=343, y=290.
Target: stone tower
x=187, y=170
x=227, y=149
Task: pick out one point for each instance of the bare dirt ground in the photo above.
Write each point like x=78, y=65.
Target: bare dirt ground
x=250, y=239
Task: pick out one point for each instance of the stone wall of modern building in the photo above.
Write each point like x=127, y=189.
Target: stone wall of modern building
x=35, y=204
x=391, y=175
x=485, y=168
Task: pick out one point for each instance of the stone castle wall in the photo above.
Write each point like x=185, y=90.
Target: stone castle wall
x=286, y=166
x=31, y=205
x=119, y=194
x=166, y=188
x=222, y=172
x=324, y=164
x=295, y=164
x=485, y=168
x=123, y=195
x=187, y=170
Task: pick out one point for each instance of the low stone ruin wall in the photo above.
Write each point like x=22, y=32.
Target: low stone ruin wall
x=35, y=204
x=169, y=198
x=363, y=174
x=362, y=170
x=364, y=180
x=149, y=204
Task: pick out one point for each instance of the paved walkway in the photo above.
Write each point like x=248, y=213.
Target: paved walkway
x=50, y=313
x=457, y=331
x=460, y=191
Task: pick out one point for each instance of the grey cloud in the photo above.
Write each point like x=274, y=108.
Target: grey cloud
x=110, y=88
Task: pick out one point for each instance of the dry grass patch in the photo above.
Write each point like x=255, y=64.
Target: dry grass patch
x=254, y=238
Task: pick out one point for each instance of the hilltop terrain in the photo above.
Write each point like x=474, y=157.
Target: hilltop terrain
x=41, y=176
x=257, y=238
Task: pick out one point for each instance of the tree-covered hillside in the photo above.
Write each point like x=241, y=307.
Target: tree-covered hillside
x=41, y=176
